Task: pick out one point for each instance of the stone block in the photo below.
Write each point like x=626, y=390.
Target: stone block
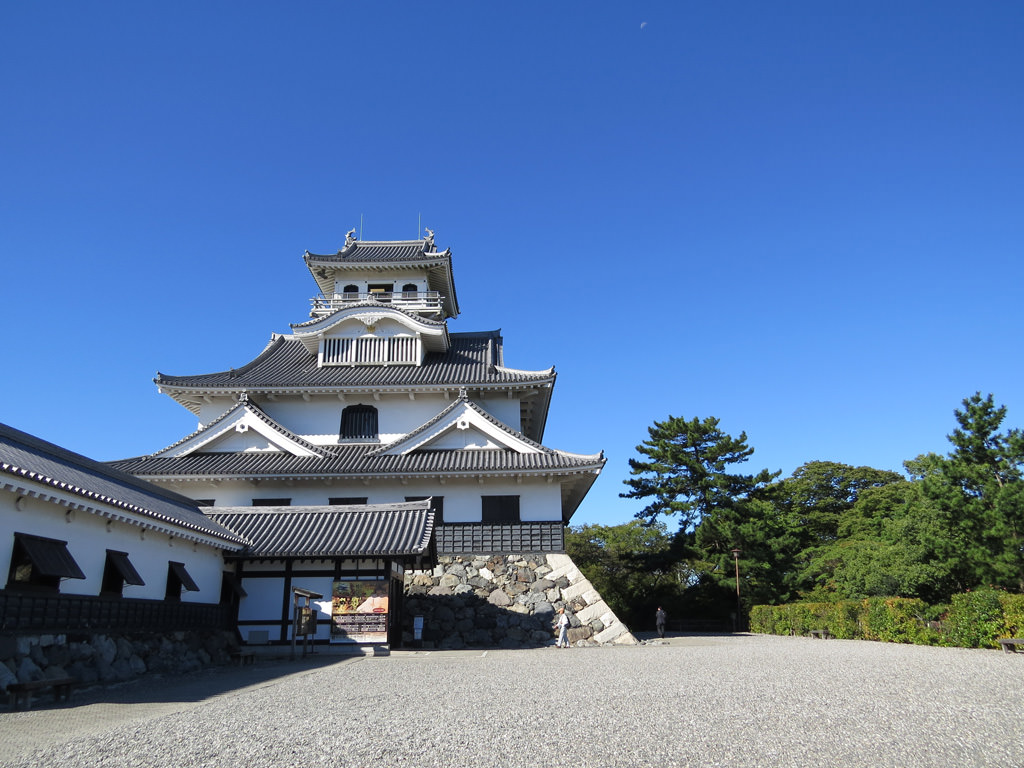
x=449, y=580
x=577, y=590
x=499, y=597
x=28, y=671
x=579, y=633
x=558, y=560
x=6, y=677
x=595, y=611
x=609, y=634
x=8, y=647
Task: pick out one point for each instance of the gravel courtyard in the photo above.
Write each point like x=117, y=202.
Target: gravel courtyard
x=746, y=700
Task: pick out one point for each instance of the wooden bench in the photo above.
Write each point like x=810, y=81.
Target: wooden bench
x=22, y=692
x=822, y=634
x=1010, y=643
x=243, y=656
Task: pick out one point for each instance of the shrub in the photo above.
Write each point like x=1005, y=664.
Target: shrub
x=896, y=620
x=1013, y=614
x=975, y=619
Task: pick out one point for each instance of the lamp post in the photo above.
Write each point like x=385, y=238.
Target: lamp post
x=736, y=558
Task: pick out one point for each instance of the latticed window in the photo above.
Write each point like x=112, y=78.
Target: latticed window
x=359, y=421
x=370, y=350
x=500, y=509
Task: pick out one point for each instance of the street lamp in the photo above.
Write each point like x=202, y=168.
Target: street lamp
x=736, y=558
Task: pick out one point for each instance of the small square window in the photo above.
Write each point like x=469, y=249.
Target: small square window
x=500, y=509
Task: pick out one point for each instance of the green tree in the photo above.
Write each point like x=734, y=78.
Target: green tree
x=811, y=503
x=979, y=488
x=685, y=471
x=891, y=542
x=635, y=567
x=766, y=545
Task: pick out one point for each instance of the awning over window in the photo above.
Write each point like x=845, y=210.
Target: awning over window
x=183, y=577
x=49, y=557
x=123, y=565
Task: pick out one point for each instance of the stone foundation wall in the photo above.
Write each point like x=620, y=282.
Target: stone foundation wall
x=94, y=659
x=506, y=601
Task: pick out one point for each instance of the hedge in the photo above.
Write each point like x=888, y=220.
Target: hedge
x=972, y=620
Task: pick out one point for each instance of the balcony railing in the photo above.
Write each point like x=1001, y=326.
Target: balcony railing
x=417, y=301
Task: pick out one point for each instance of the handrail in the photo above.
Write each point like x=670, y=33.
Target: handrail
x=417, y=299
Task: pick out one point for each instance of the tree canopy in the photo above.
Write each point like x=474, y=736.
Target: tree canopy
x=829, y=531
x=686, y=470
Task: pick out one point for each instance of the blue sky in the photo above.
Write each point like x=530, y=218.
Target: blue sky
x=804, y=219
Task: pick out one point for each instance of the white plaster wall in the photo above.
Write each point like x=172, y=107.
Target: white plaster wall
x=250, y=440
x=263, y=599
x=319, y=418
x=363, y=279
x=538, y=499
x=353, y=328
x=89, y=538
x=503, y=409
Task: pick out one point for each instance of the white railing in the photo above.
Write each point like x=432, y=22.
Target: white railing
x=371, y=350
x=420, y=301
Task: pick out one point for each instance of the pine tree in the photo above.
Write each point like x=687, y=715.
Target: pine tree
x=686, y=471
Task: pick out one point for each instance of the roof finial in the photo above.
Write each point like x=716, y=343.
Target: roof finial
x=350, y=237
x=430, y=235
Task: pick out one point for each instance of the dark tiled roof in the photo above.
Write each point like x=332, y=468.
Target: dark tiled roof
x=374, y=530
x=355, y=461
x=474, y=359
x=25, y=456
x=377, y=251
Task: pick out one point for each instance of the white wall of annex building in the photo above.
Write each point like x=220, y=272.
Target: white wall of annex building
x=88, y=538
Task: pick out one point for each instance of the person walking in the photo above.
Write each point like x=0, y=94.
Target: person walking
x=659, y=621
x=563, y=629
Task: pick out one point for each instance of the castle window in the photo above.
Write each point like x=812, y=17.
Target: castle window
x=350, y=292
x=39, y=563
x=500, y=509
x=409, y=290
x=381, y=291
x=271, y=502
x=359, y=421
x=347, y=500
x=118, y=571
x=178, y=577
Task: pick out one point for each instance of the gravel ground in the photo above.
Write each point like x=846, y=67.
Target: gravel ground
x=697, y=701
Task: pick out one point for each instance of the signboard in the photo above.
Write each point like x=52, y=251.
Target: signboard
x=305, y=621
x=359, y=612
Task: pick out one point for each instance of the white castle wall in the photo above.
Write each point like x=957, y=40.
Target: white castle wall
x=89, y=537
x=319, y=419
x=539, y=500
